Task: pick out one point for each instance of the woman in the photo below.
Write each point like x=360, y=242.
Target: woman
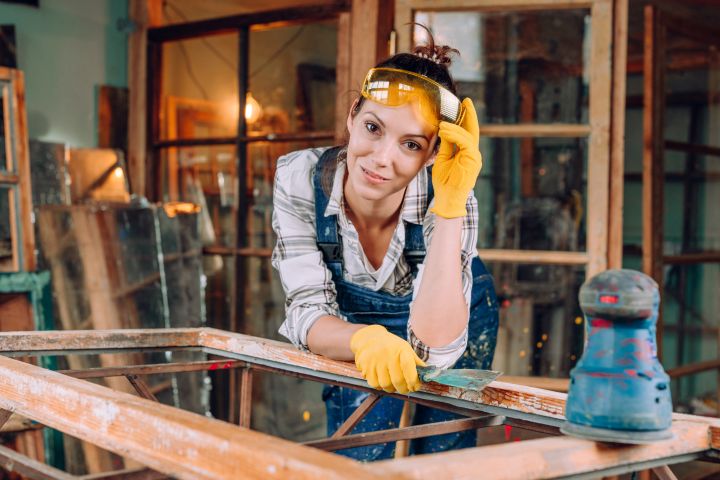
x=378, y=263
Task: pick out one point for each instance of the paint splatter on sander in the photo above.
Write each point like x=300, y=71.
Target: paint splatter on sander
x=619, y=392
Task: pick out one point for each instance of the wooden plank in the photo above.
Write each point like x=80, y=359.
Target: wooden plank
x=694, y=368
x=617, y=137
x=13, y=461
x=9, y=178
x=356, y=416
x=497, y=394
x=4, y=417
x=144, y=14
x=371, y=22
x=533, y=256
x=691, y=258
x=599, y=155
x=565, y=130
x=550, y=457
x=406, y=433
x=166, y=439
x=715, y=436
x=246, y=388
x=141, y=387
x=343, y=98
x=545, y=383
x=664, y=473
x=653, y=141
x=127, y=474
x=25, y=342
x=22, y=159
x=692, y=148
x=497, y=5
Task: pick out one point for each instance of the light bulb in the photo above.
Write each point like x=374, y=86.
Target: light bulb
x=253, y=110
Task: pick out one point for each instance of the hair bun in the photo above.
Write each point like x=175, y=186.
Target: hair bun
x=440, y=54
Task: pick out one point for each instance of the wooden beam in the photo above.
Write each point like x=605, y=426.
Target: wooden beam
x=565, y=130
x=141, y=387
x=553, y=457
x=653, y=142
x=343, y=94
x=359, y=413
x=617, y=135
x=20, y=343
x=497, y=394
x=246, y=388
x=693, y=368
x=692, y=258
x=12, y=461
x=178, y=443
x=143, y=14
x=533, y=256
x=599, y=148
x=371, y=23
x=407, y=433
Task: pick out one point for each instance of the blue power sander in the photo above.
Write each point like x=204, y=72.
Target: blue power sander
x=619, y=392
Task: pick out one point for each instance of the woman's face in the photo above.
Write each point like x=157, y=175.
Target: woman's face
x=388, y=146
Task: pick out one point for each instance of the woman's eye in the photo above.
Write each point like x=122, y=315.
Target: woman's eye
x=413, y=146
x=371, y=127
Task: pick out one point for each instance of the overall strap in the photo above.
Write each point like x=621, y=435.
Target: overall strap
x=328, y=240
x=414, y=251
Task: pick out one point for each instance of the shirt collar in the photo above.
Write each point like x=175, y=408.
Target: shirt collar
x=414, y=203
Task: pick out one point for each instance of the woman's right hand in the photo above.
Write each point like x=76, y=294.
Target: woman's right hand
x=386, y=361
x=457, y=164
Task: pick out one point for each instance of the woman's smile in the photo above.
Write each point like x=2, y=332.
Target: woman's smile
x=373, y=177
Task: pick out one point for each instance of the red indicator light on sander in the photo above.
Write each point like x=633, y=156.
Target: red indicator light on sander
x=613, y=299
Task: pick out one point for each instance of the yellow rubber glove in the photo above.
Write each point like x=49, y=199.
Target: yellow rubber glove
x=386, y=361
x=457, y=164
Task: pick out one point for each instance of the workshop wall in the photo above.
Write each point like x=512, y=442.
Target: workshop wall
x=66, y=50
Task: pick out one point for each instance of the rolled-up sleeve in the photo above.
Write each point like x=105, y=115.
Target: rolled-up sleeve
x=309, y=289
x=446, y=356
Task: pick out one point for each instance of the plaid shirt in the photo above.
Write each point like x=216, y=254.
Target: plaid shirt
x=309, y=288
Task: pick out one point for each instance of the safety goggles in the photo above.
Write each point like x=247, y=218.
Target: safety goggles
x=394, y=87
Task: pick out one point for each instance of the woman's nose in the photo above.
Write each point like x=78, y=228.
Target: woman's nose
x=383, y=155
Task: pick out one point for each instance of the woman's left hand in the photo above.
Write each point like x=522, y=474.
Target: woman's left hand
x=457, y=164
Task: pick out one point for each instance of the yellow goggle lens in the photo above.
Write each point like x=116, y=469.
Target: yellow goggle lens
x=394, y=87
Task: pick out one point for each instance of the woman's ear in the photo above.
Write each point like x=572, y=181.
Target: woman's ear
x=351, y=114
x=431, y=160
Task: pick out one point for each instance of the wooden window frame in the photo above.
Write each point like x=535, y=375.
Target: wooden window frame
x=603, y=87
x=16, y=176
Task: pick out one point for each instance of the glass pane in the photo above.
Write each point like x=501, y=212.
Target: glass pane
x=541, y=324
x=689, y=308
x=48, y=173
x=692, y=92
x=7, y=233
x=532, y=193
x=129, y=267
x=292, y=77
x=518, y=67
x=4, y=136
x=199, y=88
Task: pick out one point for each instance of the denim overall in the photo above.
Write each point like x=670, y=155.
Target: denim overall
x=362, y=305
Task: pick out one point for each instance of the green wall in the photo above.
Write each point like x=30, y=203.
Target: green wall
x=67, y=48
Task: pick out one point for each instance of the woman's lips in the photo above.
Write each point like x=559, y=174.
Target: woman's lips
x=373, y=177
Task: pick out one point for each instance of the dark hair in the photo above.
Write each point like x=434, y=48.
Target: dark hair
x=429, y=60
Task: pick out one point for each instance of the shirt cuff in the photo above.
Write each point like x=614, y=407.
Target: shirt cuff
x=439, y=357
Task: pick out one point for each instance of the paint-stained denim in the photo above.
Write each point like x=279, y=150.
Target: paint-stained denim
x=362, y=305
